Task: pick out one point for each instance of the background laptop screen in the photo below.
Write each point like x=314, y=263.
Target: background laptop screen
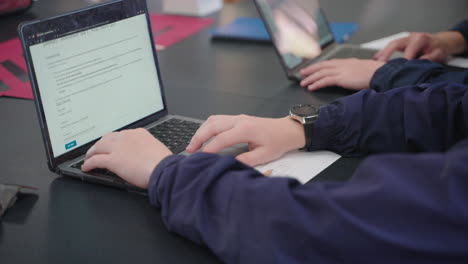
x=96, y=80
x=298, y=27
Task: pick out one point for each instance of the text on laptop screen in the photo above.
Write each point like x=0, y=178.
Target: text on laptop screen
x=96, y=81
x=299, y=28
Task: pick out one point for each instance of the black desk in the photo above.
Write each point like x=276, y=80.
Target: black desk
x=77, y=222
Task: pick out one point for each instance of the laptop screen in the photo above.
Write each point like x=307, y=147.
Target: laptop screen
x=297, y=27
x=95, y=79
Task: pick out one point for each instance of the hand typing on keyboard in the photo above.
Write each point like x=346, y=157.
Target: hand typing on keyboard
x=353, y=74
x=131, y=154
x=268, y=138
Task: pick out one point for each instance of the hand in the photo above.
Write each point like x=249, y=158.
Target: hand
x=268, y=138
x=435, y=47
x=353, y=74
x=131, y=154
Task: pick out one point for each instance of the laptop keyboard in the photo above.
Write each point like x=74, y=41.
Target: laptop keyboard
x=174, y=133
x=350, y=52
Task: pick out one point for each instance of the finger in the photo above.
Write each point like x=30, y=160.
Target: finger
x=319, y=66
x=103, y=146
x=323, y=83
x=436, y=55
x=213, y=126
x=396, y=45
x=318, y=76
x=226, y=139
x=97, y=161
x=416, y=45
x=256, y=157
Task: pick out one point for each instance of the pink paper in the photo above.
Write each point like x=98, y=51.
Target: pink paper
x=11, y=51
x=170, y=29
x=167, y=30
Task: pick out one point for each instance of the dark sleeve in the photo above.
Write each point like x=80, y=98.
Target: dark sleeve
x=425, y=117
x=401, y=72
x=463, y=29
x=395, y=209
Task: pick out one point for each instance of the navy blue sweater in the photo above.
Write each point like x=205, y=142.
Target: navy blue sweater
x=406, y=203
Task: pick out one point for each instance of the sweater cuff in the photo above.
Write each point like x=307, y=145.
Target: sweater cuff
x=156, y=176
x=326, y=127
x=380, y=81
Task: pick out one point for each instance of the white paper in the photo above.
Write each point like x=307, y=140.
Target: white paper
x=381, y=43
x=459, y=62
x=300, y=165
x=192, y=7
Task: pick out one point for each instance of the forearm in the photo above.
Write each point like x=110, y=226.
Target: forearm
x=383, y=215
x=410, y=119
x=401, y=72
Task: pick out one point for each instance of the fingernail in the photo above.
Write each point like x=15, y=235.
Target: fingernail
x=189, y=147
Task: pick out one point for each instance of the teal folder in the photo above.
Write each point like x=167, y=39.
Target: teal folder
x=253, y=29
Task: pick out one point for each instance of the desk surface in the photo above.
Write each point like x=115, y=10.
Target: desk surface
x=76, y=222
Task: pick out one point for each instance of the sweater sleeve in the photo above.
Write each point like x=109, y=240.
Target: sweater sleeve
x=401, y=72
x=425, y=117
x=397, y=208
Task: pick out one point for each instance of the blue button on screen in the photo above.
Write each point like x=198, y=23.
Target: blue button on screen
x=70, y=145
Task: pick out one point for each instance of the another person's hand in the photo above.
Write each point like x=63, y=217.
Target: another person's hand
x=131, y=154
x=435, y=47
x=268, y=138
x=353, y=74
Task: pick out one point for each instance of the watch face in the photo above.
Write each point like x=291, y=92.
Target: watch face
x=304, y=110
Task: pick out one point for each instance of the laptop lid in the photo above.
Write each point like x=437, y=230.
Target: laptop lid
x=93, y=71
x=298, y=28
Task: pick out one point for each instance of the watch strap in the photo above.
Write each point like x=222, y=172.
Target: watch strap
x=308, y=131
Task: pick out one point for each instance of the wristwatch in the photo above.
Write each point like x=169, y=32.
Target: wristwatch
x=305, y=114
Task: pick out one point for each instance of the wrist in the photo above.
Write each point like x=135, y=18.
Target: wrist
x=295, y=133
x=453, y=42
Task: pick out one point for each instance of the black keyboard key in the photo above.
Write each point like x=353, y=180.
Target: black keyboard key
x=175, y=133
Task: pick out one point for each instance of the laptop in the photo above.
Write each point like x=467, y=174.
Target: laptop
x=302, y=36
x=94, y=71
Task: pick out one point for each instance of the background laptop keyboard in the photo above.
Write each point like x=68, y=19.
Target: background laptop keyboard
x=350, y=52
x=174, y=133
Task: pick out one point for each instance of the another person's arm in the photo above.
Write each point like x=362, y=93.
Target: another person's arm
x=401, y=72
x=355, y=74
x=436, y=47
x=425, y=117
